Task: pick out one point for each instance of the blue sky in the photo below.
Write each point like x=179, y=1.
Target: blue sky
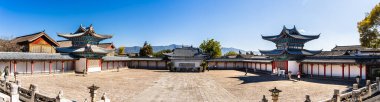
x=235, y=23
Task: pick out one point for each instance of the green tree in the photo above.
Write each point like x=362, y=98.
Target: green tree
x=369, y=34
x=161, y=53
x=211, y=47
x=231, y=53
x=146, y=50
x=121, y=51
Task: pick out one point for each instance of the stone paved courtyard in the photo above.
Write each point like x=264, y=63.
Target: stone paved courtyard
x=139, y=85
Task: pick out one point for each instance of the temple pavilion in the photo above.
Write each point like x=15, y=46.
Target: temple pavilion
x=85, y=43
x=289, y=49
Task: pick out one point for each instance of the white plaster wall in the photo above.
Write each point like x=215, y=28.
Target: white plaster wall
x=5, y=63
x=80, y=65
x=211, y=64
x=161, y=64
x=230, y=65
x=220, y=65
x=337, y=70
x=239, y=65
x=269, y=67
x=355, y=71
x=293, y=66
x=152, y=64
x=196, y=62
x=143, y=64
x=328, y=70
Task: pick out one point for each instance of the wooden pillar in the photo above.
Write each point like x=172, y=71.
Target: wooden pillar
x=324, y=70
x=50, y=67
x=287, y=68
x=307, y=68
x=260, y=66
x=360, y=70
x=14, y=67
x=107, y=65
x=273, y=66
x=63, y=66
x=32, y=67
x=342, y=70
x=312, y=65
x=300, y=68
x=101, y=64
x=255, y=66
x=113, y=64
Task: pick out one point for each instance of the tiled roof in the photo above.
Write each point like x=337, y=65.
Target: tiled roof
x=65, y=43
x=106, y=45
x=34, y=36
x=186, y=53
x=293, y=52
x=354, y=48
x=94, y=49
x=90, y=30
x=291, y=33
x=115, y=58
x=34, y=56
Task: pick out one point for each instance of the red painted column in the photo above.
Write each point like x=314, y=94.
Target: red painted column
x=113, y=64
x=349, y=71
x=107, y=65
x=342, y=70
x=312, y=65
x=50, y=66
x=286, y=65
x=272, y=66
x=360, y=68
x=300, y=68
x=32, y=67
x=260, y=66
x=100, y=64
x=324, y=70
x=14, y=66
x=63, y=66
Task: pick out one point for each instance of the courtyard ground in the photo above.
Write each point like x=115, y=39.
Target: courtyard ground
x=140, y=85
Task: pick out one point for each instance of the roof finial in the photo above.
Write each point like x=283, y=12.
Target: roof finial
x=294, y=26
x=43, y=30
x=284, y=27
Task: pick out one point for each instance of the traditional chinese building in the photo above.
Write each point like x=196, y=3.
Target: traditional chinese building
x=38, y=42
x=85, y=43
x=289, y=49
x=186, y=58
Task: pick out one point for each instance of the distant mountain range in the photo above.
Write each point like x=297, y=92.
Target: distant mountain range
x=136, y=49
